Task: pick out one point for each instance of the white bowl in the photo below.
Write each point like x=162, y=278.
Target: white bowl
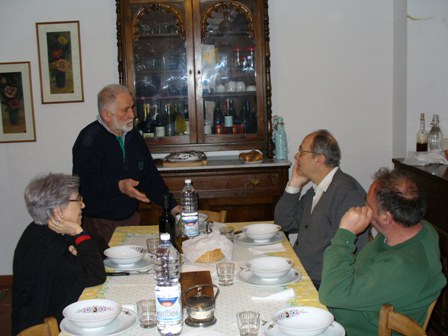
x=125, y=255
x=261, y=232
x=251, y=88
x=303, y=321
x=270, y=267
x=94, y=313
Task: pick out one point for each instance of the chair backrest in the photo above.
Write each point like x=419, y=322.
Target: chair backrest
x=215, y=216
x=48, y=328
x=393, y=321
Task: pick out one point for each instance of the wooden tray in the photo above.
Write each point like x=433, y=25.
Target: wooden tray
x=189, y=279
x=167, y=163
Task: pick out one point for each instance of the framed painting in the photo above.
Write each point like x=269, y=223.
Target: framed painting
x=59, y=48
x=17, y=122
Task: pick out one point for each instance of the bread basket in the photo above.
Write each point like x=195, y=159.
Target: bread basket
x=211, y=256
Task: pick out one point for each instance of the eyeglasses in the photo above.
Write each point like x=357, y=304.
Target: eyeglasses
x=77, y=199
x=301, y=151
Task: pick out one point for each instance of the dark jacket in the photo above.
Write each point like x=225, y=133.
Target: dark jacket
x=47, y=277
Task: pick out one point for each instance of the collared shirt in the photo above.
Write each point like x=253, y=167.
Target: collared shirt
x=323, y=186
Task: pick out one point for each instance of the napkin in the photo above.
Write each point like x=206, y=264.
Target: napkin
x=267, y=248
x=279, y=296
x=195, y=247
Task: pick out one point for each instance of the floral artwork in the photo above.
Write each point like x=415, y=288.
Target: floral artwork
x=59, y=47
x=11, y=98
x=16, y=103
x=59, y=59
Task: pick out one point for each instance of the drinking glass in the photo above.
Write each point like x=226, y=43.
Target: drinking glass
x=152, y=243
x=228, y=232
x=226, y=273
x=248, y=323
x=146, y=310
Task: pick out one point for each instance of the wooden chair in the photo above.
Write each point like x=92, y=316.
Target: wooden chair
x=48, y=328
x=393, y=321
x=215, y=216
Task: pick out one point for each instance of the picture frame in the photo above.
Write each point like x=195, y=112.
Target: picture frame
x=16, y=98
x=60, y=66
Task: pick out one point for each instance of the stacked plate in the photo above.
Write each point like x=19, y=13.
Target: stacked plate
x=127, y=258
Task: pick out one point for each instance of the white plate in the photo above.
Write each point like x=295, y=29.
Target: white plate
x=249, y=278
x=335, y=329
x=143, y=265
x=251, y=162
x=243, y=239
x=124, y=321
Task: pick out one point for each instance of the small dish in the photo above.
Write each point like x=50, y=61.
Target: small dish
x=92, y=314
x=303, y=320
x=124, y=321
x=143, y=265
x=243, y=239
x=249, y=278
x=270, y=267
x=261, y=232
x=335, y=329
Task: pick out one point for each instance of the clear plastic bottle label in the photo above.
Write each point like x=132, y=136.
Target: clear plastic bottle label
x=191, y=225
x=168, y=305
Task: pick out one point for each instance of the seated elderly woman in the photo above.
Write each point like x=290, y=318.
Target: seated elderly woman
x=54, y=259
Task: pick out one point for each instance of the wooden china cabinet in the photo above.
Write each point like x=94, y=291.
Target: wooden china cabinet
x=199, y=71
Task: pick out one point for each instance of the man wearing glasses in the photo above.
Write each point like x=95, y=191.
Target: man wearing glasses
x=316, y=215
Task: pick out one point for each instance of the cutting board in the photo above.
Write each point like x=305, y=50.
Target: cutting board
x=189, y=279
x=167, y=163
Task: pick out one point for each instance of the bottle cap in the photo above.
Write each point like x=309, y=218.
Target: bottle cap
x=165, y=236
x=188, y=181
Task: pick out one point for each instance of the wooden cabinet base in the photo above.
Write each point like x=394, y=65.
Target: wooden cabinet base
x=247, y=192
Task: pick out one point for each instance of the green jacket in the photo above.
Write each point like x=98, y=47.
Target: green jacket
x=408, y=276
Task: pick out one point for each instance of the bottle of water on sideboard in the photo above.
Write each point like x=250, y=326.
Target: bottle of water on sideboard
x=281, y=143
x=435, y=134
x=167, y=288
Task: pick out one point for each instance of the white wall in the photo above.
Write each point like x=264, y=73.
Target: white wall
x=332, y=67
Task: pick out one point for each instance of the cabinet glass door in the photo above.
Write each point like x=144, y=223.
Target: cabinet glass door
x=161, y=85
x=229, y=66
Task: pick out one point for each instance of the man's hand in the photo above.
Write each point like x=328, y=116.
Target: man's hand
x=127, y=186
x=356, y=219
x=297, y=180
x=177, y=209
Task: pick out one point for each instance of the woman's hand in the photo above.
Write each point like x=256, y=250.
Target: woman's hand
x=58, y=224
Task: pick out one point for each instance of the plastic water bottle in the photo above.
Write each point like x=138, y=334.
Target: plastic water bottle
x=168, y=289
x=189, y=216
x=281, y=143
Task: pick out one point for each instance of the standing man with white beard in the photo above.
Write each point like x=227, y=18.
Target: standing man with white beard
x=115, y=166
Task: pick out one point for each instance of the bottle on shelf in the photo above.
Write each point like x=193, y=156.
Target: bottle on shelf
x=252, y=118
x=422, y=136
x=228, y=118
x=244, y=118
x=167, y=222
x=281, y=143
x=159, y=126
x=141, y=123
x=167, y=288
x=189, y=220
x=435, y=134
x=180, y=123
x=218, y=119
x=169, y=120
x=187, y=119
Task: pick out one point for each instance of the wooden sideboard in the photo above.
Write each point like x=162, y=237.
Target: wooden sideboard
x=249, y=192
x=434, y=181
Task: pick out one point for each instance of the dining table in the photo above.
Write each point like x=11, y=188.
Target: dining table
x=241, y=296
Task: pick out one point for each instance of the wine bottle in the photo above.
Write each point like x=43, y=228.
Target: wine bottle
x=228, y=118
x=169, y=120
x=218, y=119
x=167, y=223
x=180, y=123
x=159, y=127
x=422, y=136
x=244, y=117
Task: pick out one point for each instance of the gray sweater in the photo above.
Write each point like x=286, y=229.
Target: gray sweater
x=316, y=229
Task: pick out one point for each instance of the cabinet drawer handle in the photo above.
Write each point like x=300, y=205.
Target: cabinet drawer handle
x=254, y=181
